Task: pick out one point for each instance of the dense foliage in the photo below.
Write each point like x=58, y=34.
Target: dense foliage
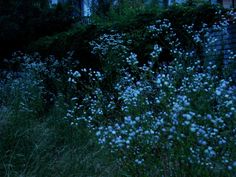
x=133, y=23
x=35, y=139
x=25, y=21
x=143, y=93
x=159, y=116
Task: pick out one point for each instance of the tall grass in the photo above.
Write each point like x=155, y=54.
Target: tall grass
x=38, y=141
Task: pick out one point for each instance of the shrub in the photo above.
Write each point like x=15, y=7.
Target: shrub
x=35, y=137
x=26, y=23
x=135, y=28
x=179, y=114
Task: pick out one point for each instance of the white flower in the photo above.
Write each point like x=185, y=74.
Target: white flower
x=218, y=92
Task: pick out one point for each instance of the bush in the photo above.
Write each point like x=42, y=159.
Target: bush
x=35, y=137
x=76, y=40
x=160, y=117
x=134, y=26
x=19, y=27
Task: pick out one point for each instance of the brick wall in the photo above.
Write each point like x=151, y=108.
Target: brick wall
x=228, y=3
x=224, y=48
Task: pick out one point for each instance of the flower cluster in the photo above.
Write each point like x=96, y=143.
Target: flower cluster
x=193, y=111
x=184, y=109
x=156, y=51
x=163, y=31
x=23, y=88
x=107, y=43
x=35, y=82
